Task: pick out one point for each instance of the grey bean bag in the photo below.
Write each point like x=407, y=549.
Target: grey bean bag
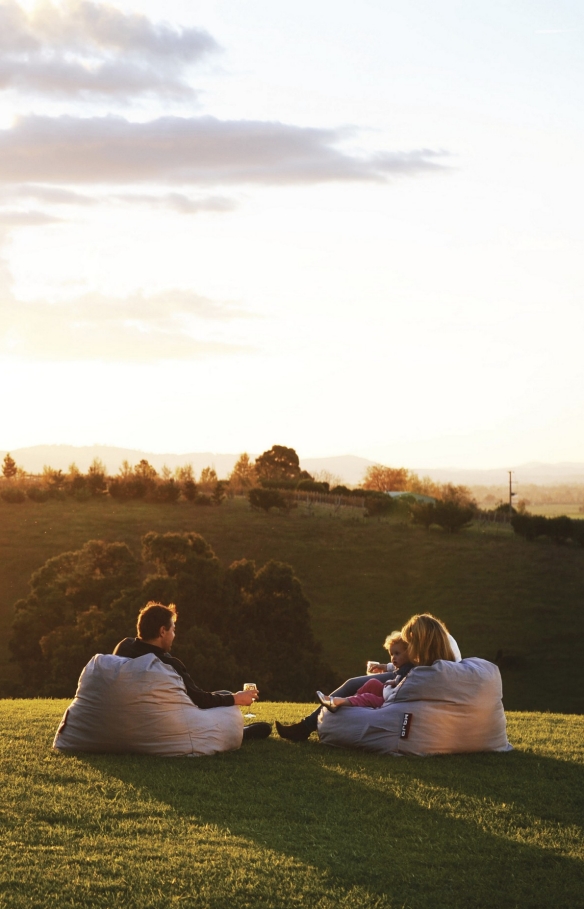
x=443, y=708
x=141, y=707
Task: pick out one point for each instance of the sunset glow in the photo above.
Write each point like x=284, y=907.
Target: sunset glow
x=347, y=228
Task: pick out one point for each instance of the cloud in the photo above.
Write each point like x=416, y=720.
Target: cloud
x=89, y=49
x=138, y=328
x=55, y=195
x=25, y=219
x=180, y=203
x=49, y=194
x=190, y=150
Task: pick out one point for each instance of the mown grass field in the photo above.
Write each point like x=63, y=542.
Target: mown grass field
x=363, y=577
x=552, y=511
x=278, y=824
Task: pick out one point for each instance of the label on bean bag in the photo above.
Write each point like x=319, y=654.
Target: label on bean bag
x=405, y=726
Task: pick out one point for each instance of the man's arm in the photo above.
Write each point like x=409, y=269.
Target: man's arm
x=208, y=699
x=203, y=699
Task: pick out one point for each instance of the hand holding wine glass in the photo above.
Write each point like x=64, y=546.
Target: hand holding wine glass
x=253, y=688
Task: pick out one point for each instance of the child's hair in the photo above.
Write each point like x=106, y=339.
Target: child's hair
x=427, y=640
x=394, y=638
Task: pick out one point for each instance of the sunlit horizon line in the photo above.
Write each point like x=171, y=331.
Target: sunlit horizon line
x=420, y=467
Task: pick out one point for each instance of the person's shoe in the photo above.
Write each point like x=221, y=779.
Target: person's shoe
x=296, y=732
x=328, y=702
x=256, y=731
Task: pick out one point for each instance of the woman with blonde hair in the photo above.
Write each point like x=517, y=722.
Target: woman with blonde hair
x=431, y=641
x=427, y=639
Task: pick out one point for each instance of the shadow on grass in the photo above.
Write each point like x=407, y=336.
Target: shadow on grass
x=459, y=831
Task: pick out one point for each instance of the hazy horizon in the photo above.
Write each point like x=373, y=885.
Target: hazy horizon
x=340, y=227
x=348, y=468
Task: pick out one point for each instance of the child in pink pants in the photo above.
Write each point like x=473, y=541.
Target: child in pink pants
x=374, y=692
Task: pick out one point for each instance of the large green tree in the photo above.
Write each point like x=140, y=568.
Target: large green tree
x=62, y=592
x=279, y=463
x=235, y=624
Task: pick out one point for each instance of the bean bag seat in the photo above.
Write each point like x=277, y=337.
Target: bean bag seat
x=446, y=708
x=140, y=706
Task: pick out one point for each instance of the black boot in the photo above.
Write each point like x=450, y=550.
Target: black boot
x=296, y=732
x=256, y=731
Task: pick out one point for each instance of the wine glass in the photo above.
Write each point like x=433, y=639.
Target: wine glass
x=250, y=686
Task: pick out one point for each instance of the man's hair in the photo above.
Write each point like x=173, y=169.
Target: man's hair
x=427, y=640
x=394, y=638
x=152, y=617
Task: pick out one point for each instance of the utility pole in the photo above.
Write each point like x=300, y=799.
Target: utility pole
x=511, y=493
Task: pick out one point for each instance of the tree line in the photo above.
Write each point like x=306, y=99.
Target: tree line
x=141, y=481
x=559, y=530
x=273, y=480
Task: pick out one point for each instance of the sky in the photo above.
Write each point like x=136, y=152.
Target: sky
x=348, y=228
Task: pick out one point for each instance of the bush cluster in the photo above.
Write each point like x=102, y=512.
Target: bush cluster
x=262, y=499
x=14, y=495
x=140, y=482
x=559, y=530
x=451, y=516
x=234, y=623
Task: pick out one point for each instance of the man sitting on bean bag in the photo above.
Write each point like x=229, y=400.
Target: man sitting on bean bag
x=142, y=700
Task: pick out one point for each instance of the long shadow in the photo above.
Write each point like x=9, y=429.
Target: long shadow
x=352, y=817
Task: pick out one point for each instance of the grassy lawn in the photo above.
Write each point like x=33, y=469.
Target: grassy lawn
x=363, y=578
x=278, y=824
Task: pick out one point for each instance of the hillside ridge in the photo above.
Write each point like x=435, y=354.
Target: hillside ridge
x=349, y=468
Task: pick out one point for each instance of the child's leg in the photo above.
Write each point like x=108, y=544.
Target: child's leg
x=367, y=699
x=371, y=686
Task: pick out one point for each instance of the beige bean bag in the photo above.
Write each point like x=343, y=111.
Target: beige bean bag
x=140, y=706
x=445, y=708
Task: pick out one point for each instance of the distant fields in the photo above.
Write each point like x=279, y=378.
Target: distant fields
x=277, y=825
x=552, y=511
x=363, y=577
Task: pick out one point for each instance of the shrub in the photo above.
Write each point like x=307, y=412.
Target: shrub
x=189, y=490
x=452, y=517
x=166, y=491
x=9, y=468
x=531, y=526
x=378, y=505
x=219, y=493
x=312, y=486
x=424, y=513
x=282, y=483
x=560, y=529
x=14, y=495
x=263, y=499
x=130, y=487
x=37, y=493
x=578, y=532
x=341, y=491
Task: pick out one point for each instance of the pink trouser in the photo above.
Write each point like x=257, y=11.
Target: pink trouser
x=369, y=695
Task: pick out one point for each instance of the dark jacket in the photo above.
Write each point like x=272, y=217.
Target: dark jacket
x=401, y=673
x=134, y=647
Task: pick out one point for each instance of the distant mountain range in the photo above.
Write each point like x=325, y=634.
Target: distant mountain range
x=348, y=468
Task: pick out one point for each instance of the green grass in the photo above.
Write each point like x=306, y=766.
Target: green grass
x=278, y=824
x=363, y=578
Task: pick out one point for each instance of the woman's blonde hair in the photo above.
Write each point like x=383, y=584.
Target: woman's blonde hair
x=427, y=640
x=393, y=638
